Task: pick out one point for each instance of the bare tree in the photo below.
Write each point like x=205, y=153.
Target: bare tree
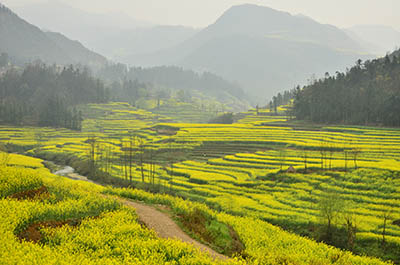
x=329, y=206
x=142, y=150
x=93, y=146
x=346, y=145
x=356, y=151
x=331, y=153
x=350, y=222
x=171, y=162
x=282, y=157
x=386, y=216
x=304, y=155
x=123, y=158
x=39, y=139
x=323, y=153
x=132, y=142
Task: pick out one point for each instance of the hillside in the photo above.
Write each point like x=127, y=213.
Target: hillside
x=76, y=51
x=384, y=38
x=164, y=83
x=368, y=93
x=27, y=43
x=88, y=27
x=235, y=173
x=258, y=47
x=122, y=44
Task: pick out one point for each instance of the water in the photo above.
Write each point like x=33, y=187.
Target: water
x=65, y=171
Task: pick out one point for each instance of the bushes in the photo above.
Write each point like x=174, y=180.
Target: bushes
x=226, y=118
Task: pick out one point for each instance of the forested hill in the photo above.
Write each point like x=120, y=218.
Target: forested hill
x=25, y=43
x=368, y=93
x=168, y=80
x=45, y=96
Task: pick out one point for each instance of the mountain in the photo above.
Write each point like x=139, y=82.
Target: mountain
x=384, y=38
x=27, y=42
x=75, y=50
x=89, y=28
x=127, y=43
x=262, y=49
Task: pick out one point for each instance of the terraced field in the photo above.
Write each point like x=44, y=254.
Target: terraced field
x=49, y=219
x=241, y=168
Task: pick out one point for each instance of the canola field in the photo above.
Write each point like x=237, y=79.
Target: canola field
x=48, y=219
x=235, y=167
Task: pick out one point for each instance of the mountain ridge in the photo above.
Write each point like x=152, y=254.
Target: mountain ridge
x=27, y=42
x=269, y=29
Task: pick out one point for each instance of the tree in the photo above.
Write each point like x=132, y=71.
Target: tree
x=142, y=149
x=366, y=94
x=386, y=215
x=124, y=158
x=355, y=151
x=271, y=107
x=4, y=60
x=282, y=156
x=226, y=118
x=331, y=151
x=39, y=138
x=329, y=206
x=323, y=153
x=304, y=155
x=275, y=104
x=92, y=154
x=43, y=95
x=350, y=223
x=4, y=156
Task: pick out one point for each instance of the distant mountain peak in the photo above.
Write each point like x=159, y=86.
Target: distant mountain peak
x=251, y=12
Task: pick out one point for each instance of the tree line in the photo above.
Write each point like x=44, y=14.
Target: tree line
x=367, y=94
x=281, y=99
x=41, y=95
x=133, y=83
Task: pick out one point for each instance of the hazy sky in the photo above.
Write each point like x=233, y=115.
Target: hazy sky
x=200, y=13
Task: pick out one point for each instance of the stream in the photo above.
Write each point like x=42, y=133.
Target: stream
x=69, y=172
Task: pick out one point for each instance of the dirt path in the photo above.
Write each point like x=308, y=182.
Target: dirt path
x=165, y=227
x=154, y=219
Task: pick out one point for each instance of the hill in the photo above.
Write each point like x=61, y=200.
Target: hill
x=384, y=38
x=239, y=171
x=27, y=42
x=168, y=82
x=121, y=44
x=259, y=47
x=76, y=51
x=89, y=28
x=368, y=93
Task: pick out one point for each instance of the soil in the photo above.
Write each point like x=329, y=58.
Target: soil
x=31, y=194
x=165, y=227
x=160, y=222
x=33, y=233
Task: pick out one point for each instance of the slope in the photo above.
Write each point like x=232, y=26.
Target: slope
x=27, y=42
x=223, y=48
x=385, y=38
x=90, y=28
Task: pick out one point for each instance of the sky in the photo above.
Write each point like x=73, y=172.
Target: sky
x=201, y=13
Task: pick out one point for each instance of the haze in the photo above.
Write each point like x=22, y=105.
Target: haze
x=342, y=13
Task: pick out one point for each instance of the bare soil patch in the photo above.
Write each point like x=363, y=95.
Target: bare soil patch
x=33, y=232
x=31, y=194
